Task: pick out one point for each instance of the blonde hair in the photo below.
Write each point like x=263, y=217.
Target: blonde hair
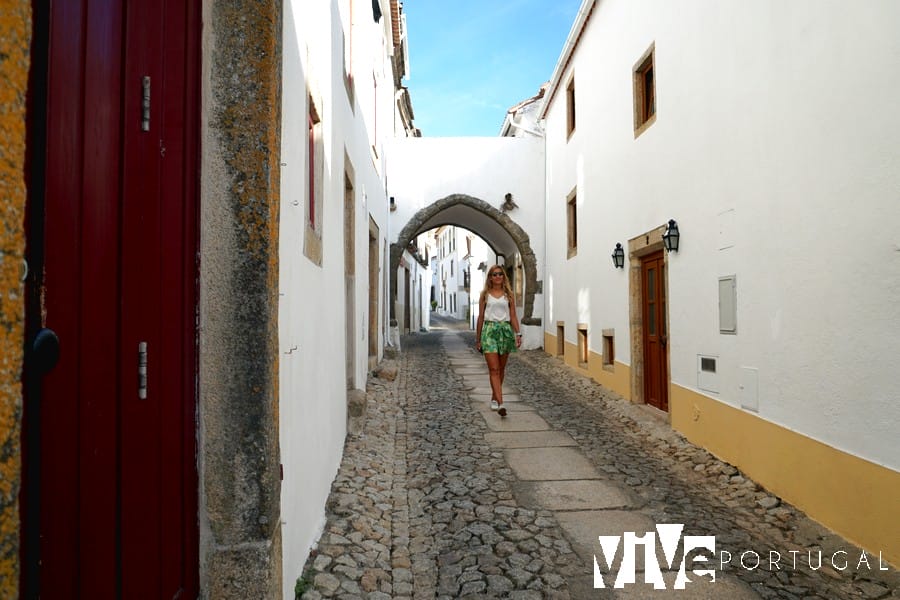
x=507, y=290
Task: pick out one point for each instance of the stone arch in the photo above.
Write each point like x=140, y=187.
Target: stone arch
x=519, y=236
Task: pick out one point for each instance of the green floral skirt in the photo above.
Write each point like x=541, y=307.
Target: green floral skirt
x=498, y=336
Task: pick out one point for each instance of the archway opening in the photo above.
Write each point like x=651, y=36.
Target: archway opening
x=498, y=229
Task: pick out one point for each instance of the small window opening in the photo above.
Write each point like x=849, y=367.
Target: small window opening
x=570, y=107
x=609, y=348
x=571, y=226
x=645, y=92
x=583, y=351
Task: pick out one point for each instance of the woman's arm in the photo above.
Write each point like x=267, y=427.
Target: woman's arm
x=514, y=320
x=480, y=323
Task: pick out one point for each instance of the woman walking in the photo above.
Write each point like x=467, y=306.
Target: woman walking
x=497, y=332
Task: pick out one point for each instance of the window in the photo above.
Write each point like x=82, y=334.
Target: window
x=728, y=304
x=583, y=346
x=571, y=226
x=570, y=107
x=645, y=92
x=609, y=349
x=560, y=338
x=312, y=245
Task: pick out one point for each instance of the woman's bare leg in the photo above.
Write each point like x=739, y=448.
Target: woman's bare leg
x=503, y=359
x=496, y=372
x=493, y=363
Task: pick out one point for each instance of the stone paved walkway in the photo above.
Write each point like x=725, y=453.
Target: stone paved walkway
x=441, y=498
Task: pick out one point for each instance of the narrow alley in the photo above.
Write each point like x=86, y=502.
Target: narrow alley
x=438, y=497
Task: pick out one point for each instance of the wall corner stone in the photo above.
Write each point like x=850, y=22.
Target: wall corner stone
x=15, y=41
x=239, y=463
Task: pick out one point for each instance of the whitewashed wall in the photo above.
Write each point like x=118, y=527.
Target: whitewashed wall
x=451, y=249
x=775, y=149
x=313, y=394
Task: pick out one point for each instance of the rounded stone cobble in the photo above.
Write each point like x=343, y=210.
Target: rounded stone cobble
x=452, y=528
x=474, y=540
x=422, y=507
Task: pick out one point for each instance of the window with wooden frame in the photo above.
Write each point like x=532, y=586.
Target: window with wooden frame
x=571, y=225
x=583, y=352
x=609, y=349
x=312, y=246
x=645, y=91
x=570, y=107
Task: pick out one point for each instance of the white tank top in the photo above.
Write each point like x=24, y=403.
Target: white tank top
x=496, y=309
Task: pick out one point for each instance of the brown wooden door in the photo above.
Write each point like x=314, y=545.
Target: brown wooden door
x=116, y=500
x=656, y=377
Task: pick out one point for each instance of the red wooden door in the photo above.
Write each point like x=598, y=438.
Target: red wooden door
x=656, y=377
x=117, y=494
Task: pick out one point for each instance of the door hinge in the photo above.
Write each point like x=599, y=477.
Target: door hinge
x=142, y=370
x=145, y=104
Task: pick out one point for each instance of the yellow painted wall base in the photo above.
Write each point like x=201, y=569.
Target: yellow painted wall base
x=618, y=379
x=855, y=498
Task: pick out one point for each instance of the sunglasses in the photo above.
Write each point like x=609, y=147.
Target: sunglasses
x=497, y=274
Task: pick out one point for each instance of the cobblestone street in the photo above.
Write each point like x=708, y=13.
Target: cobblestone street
x=439, y=497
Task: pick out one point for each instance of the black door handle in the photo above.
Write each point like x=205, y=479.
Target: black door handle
x=45, y=350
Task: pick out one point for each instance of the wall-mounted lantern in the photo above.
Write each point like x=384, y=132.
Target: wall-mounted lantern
x=618, y=256
x=393, y=204
x=671, y=237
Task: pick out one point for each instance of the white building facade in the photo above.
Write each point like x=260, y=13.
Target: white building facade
x=340, y=101
x=414, y=283
x=770, y=336
x=460, y=253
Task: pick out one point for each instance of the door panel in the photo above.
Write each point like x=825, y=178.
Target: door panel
x=77, y=504
x=117, y=496
x=653, y=292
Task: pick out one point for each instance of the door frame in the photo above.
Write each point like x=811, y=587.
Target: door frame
x=350, y=272
x=640, y=246
x=374, y=310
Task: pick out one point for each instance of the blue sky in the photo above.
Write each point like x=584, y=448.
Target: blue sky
x=471, y=60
